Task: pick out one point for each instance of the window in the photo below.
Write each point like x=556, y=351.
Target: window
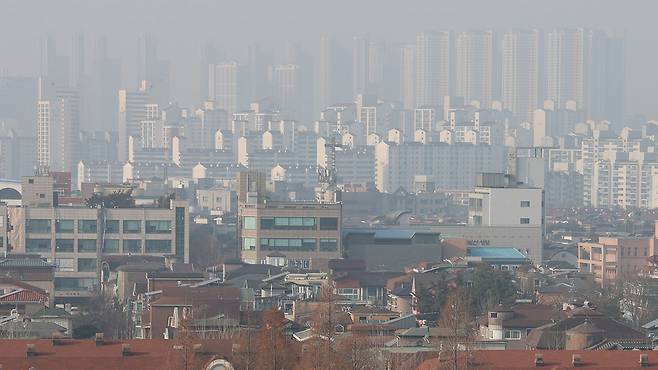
x=158, y=227
x=524, y=221
x=493, y=315
x=87, y=245
x=111, y=246
x=249, y=223
x=283, y=244
x=504, y=267
x=328, y=245
x=86, y=264
x=64, y=226
x=75, y=284
x=37, y=226
x=87, y=226
x=64, y=245
x=513, y=334
x=132, y=226
x=249, y=244
x=287, y=223
x=525, y=204
x=65, y=264
x=158, y=246
x=132, y=246
x=328, y=223
x=37, y=245
x=112, y=226
x=477, y=220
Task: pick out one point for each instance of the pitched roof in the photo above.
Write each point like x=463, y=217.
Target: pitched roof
x=559, y=360
x=23, y=295
x=145, y=354
x=24, y=262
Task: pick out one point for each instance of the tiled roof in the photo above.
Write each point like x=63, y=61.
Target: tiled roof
x=73, y=354
x=525, y=360
x=51, y=312
x=24, y=262
x=23, y=295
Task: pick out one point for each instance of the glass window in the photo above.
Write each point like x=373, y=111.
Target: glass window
x=132, y=226
x=86, y=264
x=37, y=226
x=64, y=245
x=64, y=226
x=267, y=223
x=158, y=246
x=249, y=244
x=328, y=245
x=132, y=246
x=328, y=223
x=512, y=334
x=111, y=246
x=525, y=204
x=65, y=264
x=284, y=244
x=87, y=226
x=112, y=226
x=309, y=222
x=281, y=222
x=524, y=221
x=158, y=227
x=86, y=245
x=75, y=284
x=249, y=223
x=37, y=245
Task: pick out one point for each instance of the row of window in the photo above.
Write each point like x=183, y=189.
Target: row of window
x=291, y=244
x=90, y=226
x=69, y=264
x=290, y=223
x=89, y=246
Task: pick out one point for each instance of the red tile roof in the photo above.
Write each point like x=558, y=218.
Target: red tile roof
x=86, y=355
x=554, y=360
x=23, y=295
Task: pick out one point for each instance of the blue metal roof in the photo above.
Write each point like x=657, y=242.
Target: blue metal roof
x=495, y=253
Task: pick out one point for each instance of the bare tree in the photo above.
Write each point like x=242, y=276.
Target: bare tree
x=457, y=321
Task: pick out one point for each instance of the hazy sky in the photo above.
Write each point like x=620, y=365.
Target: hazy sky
x=183, y=26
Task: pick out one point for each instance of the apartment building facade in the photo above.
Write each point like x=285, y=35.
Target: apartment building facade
x=613, y=258
x=77, y=240
x=301, y=234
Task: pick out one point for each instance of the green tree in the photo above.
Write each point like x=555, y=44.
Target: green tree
x=490, y=288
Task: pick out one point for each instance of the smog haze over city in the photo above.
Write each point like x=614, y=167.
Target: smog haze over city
x=335, y=185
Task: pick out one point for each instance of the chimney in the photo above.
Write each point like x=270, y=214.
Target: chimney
x=100, y=339
x=576, y=361
x=539, y=360
x=57, y=338
x=31, y=350
x=644, y=360
x=125, y=350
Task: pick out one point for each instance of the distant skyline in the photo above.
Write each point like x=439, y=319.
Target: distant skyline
x=182, y=28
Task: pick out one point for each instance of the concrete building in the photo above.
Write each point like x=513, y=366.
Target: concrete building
x=58, y=126
x=520, y=71
x=498, y=201
x=475, y=67
x=433, y=63
x=224, y=86
x=613, y=258
x=78, y=239
x=132, y=111
x=300, y=234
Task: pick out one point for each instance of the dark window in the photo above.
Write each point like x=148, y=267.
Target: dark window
x=132, y=246
x=328, y=223
x=180, y=231
x=158, y=246
x=37, y=245
x=132, y=226
x=112, y=226
x=158, y=227
x=86, y=264
x=37, y=226
x=328, y=245
x=111, y=246
x=64, y=226
x=64, y=245
x=87, y=245
x=87, y=226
